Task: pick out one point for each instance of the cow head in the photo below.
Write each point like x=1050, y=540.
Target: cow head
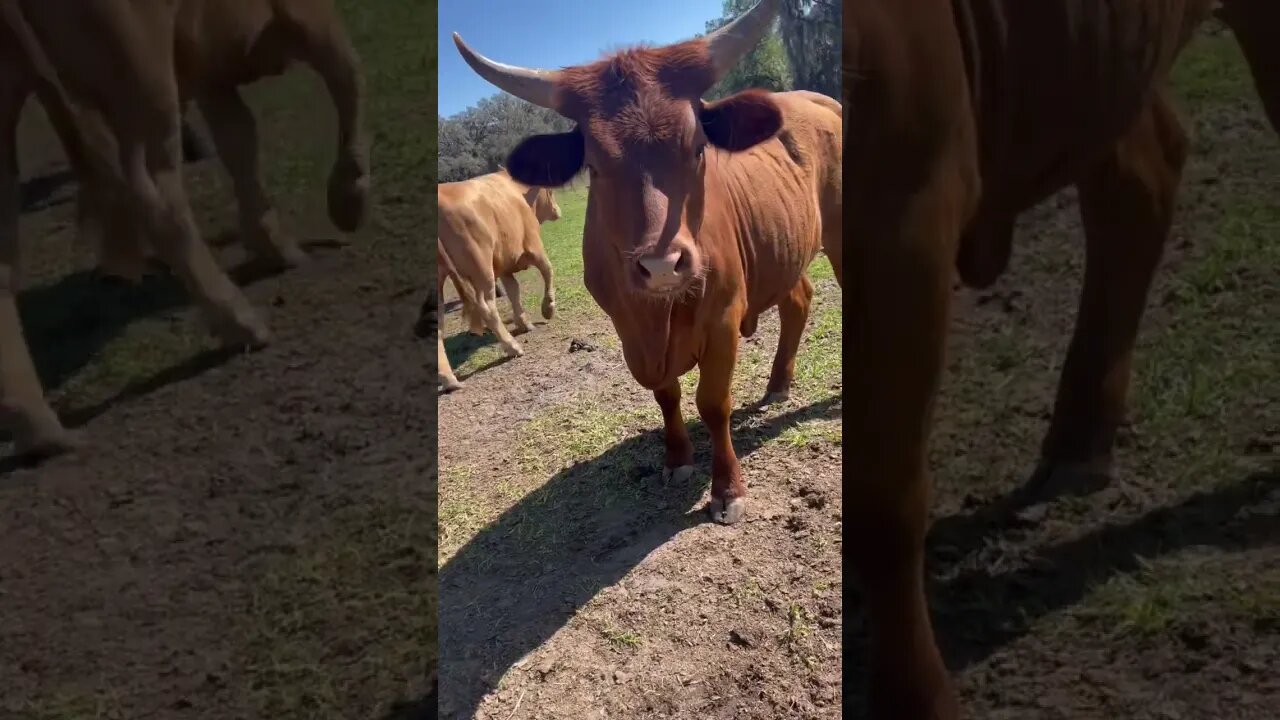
x=543, y=202
x=643, y=133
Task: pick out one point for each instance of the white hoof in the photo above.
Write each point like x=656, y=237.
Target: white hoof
x=513, y=350
x=679, y=474
x=727, y=514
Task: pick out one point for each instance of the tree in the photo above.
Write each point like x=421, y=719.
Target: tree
x=811, y=33
x=478, y=139
x=765, y=67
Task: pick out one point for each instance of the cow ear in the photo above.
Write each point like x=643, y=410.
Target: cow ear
x=547, y=160
x=741, y=121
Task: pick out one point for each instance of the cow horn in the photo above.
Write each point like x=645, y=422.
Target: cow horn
x=536, y=86
x=730, y=43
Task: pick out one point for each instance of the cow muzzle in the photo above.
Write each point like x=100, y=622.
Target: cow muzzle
x=666, y=272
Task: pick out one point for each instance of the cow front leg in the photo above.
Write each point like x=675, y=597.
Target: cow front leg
x=900, y=283
x=235, y=134
x=793, y=311
x=677, y=463
x=518, y=315
x=1127, y=203
x=23, y=408
x=715, y=405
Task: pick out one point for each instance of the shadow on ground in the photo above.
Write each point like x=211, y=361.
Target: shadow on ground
x=977, y=612
x=525, y=575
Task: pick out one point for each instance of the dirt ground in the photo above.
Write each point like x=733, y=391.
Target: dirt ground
x=574, y=584
x=249, y=536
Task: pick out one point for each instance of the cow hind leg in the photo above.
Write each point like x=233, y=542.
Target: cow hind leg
x=1127, y=202
x=153, y=173
x=715, y=404
x=236, y=135
x=444, y=370
x=543, y=264
x=518, y=315
x=677, y=463
x=23, y=409
x=487, y=309
x=793, y=312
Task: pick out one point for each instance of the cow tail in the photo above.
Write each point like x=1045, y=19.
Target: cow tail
x=1256, y=25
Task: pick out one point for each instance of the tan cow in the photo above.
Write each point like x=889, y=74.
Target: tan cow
x=964, y=114
x=700, y=216
x=488, y=227
x=220, y=46
x=97, y=65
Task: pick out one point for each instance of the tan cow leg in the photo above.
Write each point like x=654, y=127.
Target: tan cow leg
x=715, y=405
x=1127, y=203
x=677, y=463
x=793, y=311
x=518, y=315
x=235, y=134
x=488, y=310
x=444, y=370
x=548, y=286
x=153, y=172
x=23, y=408
x=326, y=47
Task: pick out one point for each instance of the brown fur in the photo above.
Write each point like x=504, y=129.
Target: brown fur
x=489, y=230
x=963, y=115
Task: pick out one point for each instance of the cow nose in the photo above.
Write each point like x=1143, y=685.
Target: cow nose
x=657, y=268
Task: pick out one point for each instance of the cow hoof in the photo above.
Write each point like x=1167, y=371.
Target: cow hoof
x=292, y=258
x=678, y=474
x=727, y=514
x=448, y=385
x=513, y=349
x=548, y=309
x=773, y=398
x=1056, y=479
x=523, y=330
x=244, y=330
x=47, y=444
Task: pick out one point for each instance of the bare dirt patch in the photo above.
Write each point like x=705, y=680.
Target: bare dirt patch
x=576, y=583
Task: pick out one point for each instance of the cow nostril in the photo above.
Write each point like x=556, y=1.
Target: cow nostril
x=682, y=262
x=644, y=271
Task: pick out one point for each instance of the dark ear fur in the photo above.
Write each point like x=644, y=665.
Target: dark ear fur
x=547, y=160
x=741, y=121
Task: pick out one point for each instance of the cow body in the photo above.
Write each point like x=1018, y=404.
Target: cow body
x=219, y=46
x=700, y=215
x=103, y=70
x=961, y=116
x=765, y=214
x=489, y=230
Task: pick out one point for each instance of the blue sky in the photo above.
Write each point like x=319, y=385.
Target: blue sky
x=552, y=34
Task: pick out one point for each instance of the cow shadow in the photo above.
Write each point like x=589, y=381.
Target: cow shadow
x=68, y=322
x=978, y=610
x=524, y=576
x=42, y=192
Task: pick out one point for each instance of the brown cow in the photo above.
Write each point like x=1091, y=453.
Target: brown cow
x=700, y=216
x=489, y=229
x=965, y=113
x=220, y=46
x=100, y=68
